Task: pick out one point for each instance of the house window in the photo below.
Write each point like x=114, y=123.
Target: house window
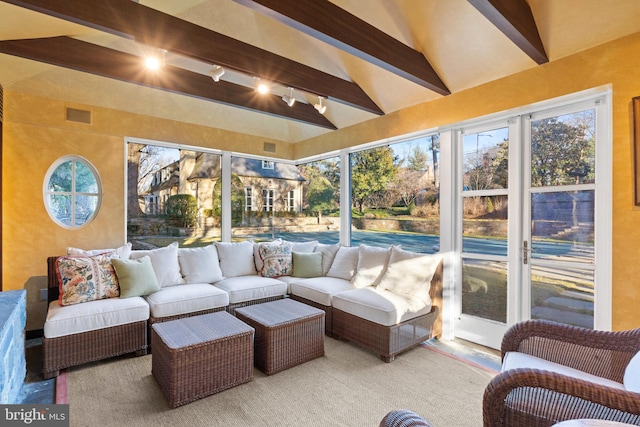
x=72, y=192
x=267, y=200
x=248, y=198
x=289, y=201
x=268, y=164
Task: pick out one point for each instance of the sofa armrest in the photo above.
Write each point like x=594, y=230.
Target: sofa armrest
x=53, y=289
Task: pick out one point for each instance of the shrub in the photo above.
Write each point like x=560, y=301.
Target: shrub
x=183, y=208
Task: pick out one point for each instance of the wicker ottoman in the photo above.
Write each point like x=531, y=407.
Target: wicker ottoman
x=288, y=333
x=198, y=356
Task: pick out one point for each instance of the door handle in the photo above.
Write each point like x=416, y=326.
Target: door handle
x=525, y=252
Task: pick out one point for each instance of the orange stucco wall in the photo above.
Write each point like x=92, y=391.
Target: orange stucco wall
x=36, y=134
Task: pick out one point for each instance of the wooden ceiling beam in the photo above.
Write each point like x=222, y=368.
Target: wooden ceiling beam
x=515, y=19
x=90, y=58
x=337, y=27
x=157, y=29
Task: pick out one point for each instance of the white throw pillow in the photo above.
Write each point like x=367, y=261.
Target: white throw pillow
x=165, y=264
x=256, y=253
x=345, y=263
x=123, y=251
x=410, y=273
x=236, y=258
x=372, y=264
x=631, y=379
x=200, y=265
x=329, y=252
x=304, y=247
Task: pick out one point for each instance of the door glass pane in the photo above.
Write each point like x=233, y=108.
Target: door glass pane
x=485, y=160
x=563, y=150
x=563, y=295
x=484, y=289
x=484, y=225
x=563, y=226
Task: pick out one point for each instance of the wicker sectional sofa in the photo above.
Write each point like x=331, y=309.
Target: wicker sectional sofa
x=384, y=299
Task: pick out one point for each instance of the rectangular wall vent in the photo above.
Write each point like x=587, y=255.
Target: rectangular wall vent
x=269, y=147
x=80, y=116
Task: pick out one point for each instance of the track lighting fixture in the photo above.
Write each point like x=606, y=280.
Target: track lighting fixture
x=289, y=99
x=155, y=61
x=320, y=106
x=216, y=72
x=263, y=88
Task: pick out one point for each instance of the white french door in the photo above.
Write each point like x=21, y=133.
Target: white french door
x=534, y=214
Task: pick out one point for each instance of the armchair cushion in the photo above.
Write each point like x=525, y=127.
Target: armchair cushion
x=632, y=374
x=516, y=360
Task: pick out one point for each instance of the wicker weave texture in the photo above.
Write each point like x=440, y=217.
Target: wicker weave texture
x=387, y=341
x=288, y=333
x=77, y=349
x=530, y=397
x=328, y=312
x=199, y=356
x=231, y=308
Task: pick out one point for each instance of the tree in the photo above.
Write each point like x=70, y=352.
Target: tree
x=561, y=154
x=371, y=172
x=407, y=185
x=320, y=194
x=237, y=199
x=183, y=208
x=134, y=151
x=417, y=160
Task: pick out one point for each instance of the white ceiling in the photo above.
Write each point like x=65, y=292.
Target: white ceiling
x=463, y=47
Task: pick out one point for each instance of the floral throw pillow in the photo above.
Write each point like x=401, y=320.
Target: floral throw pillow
x=86, y=278
x=276, y=259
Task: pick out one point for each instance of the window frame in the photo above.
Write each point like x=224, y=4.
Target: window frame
x=47, y=193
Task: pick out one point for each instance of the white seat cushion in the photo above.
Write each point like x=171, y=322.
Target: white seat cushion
x=515, y=360
x=249, y=288
x=319, y=289
x=187, y=298
x=631, y=377
x=380, y=306
x=93, y=315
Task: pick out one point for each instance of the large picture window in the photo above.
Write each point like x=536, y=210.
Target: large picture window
x=72, y=192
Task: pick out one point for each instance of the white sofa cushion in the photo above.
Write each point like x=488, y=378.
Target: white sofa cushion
x=200, y=265
x=236, y=258
x=515, y=360
x=329, y=252
x=410, y=273
x=165, y=264
x=187, y=298
x=249, y=288
x=305, y=247
x=372, y=264
x=93, y=315
x=319, y=289
x=380, y=306
x=631, y=378
x=345, y=263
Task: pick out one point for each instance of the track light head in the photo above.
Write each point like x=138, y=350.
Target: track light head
x=289, y=98
x=216, y=72
x=320, y=106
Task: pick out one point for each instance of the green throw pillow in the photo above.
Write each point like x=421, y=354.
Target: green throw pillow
x=135, y=276
x=307, y=264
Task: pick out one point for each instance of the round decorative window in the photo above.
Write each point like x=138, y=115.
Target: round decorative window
x=72, y=191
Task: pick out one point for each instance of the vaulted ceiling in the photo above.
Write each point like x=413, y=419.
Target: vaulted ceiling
x=364, y=58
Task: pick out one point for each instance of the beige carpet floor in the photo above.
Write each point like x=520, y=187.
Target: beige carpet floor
x=349, y=386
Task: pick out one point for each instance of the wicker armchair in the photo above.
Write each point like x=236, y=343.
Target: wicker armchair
x=532, y=397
